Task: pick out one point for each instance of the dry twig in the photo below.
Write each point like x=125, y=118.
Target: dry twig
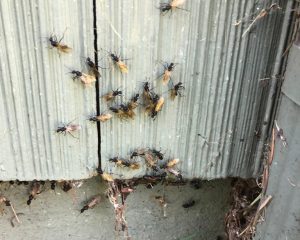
x=263, y=13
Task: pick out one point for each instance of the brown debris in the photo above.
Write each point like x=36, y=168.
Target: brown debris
x=263, y=13
x=117, y=192
x=242, y=213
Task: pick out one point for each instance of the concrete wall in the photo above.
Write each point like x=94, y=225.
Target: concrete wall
x=283, y=214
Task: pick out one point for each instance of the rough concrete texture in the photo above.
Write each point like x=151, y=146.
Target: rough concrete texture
x=56, y=214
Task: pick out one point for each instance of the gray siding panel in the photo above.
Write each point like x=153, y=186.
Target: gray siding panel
x=37, y=92
x=223, y=100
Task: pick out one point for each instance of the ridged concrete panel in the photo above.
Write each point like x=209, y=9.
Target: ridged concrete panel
x=37, y=93
x=283, y=214
x=224, y=101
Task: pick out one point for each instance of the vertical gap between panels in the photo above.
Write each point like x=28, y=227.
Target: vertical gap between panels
x=97, y=82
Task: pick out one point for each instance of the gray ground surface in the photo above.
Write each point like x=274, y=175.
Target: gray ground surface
x=55, y=215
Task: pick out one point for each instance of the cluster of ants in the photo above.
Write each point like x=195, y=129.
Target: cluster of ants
x=154, y=160
x=152, y=101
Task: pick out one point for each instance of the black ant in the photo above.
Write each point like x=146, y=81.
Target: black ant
x=158, y=154
x=57, y=44
x=188, y=204
x=35, y=190
x=111, y=95
x=176, y=90
x=133, y=102
x=53, y=184
x=69, y=128
x=122, y=66
x=93, y=67
x=165, y=7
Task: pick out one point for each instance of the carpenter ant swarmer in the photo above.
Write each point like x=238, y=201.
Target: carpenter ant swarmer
x=68, y=128
x=150, y=161
x=147, y=94
x=133, y=102
x=170, y=6
x=103, y=117
x=155, y=105
x=157, y=154
x=168, y=69
x=176, y=90
x=123, y=111
x=92, y=203
x=110, y=96
x=118, y=61
x=36, y=188
x=58, y=45
x=93, y=68
x=86, y=79
x=124, y=163
x=138, y=153
x=53, y=184
x=5, y=201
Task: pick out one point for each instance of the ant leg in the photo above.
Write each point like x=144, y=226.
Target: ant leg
x=63, y=35
x=183, y=9
x=73, y=135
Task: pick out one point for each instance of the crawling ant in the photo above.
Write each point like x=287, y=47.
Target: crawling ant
x=158, y=154
x=77, y=74
x=120, y=111
x=170, y=6
x=102, y=117
x=69, y=128
x=86, y=79
x=53, y=185
x=167, y=73
x=36, y=189
x=133, y=102
x=195, y=183
x=119, y=62
x=176, y=90
x=150, y=161
x=119, y=162
x=127, y=111
x=92, y=67
x=105, y=176
x=147, y=93
x=67, y=186
x=153, y=102
x=92, y=203
x=138, y=153
x=188, y=204
x=5, y=201
x=112, y=95
x=58, y=45
x=159, y=104
x=123, y=111
x=124, y=163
